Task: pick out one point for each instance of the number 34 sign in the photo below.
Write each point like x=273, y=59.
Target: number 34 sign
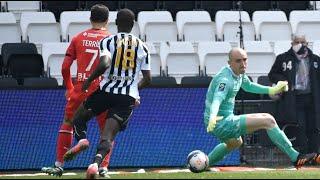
x=286, y=66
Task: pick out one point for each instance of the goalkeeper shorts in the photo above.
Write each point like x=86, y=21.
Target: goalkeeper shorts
x=232, y=126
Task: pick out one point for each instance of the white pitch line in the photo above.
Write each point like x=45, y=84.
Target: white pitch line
x=173, y=170
x=213, y=169
x=265, y=169
x=35, y=174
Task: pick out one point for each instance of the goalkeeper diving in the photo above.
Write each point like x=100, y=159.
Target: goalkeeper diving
x=222, y=123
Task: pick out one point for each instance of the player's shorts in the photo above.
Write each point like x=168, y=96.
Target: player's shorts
x=76, y=98
x=119, y=106
x=232, y=126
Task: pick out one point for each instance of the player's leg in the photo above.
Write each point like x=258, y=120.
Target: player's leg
x=313, y=132
x=301, y=115
x=64, y=142
x=103, y=169
x=117, y=119
x=80, y=119
x=313, y=143
x=65, y=135
x=112, y=127
x=110, y=131
x=92, y=106
x=229, y=131
x=222, y=149
x=266, y=121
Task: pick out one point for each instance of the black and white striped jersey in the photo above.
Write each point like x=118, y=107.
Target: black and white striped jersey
x=129, y=55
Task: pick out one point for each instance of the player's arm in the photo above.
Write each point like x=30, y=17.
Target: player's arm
x=146, y=79
x=252, y=87
x=219, y=93
x=104, y=63
x=145, y=68
x=65, y=69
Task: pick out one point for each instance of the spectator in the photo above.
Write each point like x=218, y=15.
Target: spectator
x=301, y=104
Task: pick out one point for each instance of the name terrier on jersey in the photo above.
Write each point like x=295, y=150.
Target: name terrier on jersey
x=89, y=43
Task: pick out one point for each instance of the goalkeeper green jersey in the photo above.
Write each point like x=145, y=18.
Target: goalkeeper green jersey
x=224, y=86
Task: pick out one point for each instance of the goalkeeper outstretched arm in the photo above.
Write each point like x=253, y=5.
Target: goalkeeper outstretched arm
x=252, y=87
x=282, y=86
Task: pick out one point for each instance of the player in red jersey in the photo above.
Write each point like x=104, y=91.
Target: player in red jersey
x=84, y=48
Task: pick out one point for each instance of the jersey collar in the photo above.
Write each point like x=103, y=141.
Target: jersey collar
x=233, y=74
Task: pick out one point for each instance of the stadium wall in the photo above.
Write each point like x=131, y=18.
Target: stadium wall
x=163, y=130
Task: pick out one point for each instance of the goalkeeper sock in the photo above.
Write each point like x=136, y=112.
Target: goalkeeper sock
x=218, y=153
x=64, y=142
x=282, y=142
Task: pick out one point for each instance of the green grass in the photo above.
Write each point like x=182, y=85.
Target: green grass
x=277, y=174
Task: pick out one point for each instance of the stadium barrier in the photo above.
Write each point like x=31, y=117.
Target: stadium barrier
x=163, y=130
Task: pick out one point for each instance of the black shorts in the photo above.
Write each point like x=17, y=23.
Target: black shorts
x=119, y=106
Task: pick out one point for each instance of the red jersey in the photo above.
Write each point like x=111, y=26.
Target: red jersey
x=84, y=48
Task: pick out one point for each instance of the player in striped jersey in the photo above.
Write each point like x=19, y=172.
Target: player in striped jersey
x=84, y=49
x=122, y=57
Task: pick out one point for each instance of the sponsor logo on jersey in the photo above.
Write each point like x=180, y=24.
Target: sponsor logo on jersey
x=222, y=86
x=120, y=78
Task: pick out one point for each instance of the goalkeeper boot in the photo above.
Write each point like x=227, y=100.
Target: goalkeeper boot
x=304, y=158
x=317, y=159
x=92, y=171
x=103, y=172
x=53, y=171
x=82, y=145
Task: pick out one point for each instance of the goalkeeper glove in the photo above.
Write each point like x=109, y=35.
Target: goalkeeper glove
x=280, y=87
x=212, y=123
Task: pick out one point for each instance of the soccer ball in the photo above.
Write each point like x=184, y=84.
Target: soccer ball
x=197, y=161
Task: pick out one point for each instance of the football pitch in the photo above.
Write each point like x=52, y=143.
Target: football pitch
x=216, y=173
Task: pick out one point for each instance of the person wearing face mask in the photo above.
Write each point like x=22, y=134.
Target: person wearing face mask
x=301, y=103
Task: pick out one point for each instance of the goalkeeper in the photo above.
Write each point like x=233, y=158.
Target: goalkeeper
x=221, y=122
